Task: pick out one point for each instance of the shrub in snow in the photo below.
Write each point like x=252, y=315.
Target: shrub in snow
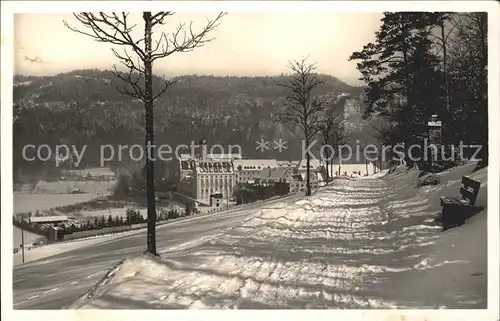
x=122, y=188
x=134, y=216
x=429, y=179
x=172, y=214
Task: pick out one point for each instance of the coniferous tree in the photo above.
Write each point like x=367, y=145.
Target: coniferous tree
x=401, y=72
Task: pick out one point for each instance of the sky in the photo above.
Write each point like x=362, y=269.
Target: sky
x=244, y=44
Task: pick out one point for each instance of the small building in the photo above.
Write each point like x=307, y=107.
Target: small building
x=269, y=176
x=48, y=219
x=299, y=183
x=55, y=233
x=216, y=200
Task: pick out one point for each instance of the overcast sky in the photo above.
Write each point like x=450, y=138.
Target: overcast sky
x=250, y=44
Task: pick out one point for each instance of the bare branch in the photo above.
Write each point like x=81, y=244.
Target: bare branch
x=184, y=39
x=159, y=18
x=133, y=80
x=114, y=28
x=106, y=28
x=166, y=84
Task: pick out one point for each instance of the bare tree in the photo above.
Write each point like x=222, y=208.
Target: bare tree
x=329, y=127
x=116, y=29
x=301, y=108
x=338, y=138
x=326, y=132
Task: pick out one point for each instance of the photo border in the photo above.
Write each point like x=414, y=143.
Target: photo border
x=8, y=8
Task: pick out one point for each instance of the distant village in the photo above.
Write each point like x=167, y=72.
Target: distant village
x=211, y=179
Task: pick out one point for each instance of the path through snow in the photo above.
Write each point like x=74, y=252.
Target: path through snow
x=363, y=243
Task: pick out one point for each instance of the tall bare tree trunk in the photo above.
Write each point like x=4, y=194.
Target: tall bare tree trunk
x=327, y=170
x=445, y=71
x=308, y=172
x=150, y=176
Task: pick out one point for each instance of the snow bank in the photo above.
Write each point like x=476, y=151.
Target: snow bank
x=361, y=243
x=46, y=251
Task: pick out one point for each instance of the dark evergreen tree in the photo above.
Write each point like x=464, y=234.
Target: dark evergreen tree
x=401, y=71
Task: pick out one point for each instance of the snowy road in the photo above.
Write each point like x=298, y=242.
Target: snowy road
x=362, y=243
x=355, y=244
x=57, y=281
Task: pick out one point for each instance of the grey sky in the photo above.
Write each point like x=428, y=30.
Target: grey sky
x=246, y=43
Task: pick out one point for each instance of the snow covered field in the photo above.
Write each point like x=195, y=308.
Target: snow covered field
x=32, y=202
x=359, y=243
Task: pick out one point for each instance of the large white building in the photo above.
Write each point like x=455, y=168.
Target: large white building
x=207, y=176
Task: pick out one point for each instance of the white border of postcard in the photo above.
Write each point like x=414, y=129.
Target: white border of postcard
x=8, y=8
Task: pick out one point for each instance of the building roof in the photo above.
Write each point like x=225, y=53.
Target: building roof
x=224, y=156
x=214, y=166
x=95, y=172
x=228, y=156
x=315, y=177
x=185, y=156
x=287, y=164
x=46, y=219
x=254, y=164
x=274, y=173
x=313, y=164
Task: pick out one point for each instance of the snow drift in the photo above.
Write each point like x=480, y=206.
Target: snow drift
x=359, y=243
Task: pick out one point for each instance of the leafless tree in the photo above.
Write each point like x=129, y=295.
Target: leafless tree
x=338, y=137
x=116, y=29
x=302, y=108
x=331, y=127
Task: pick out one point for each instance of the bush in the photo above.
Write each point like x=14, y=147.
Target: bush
x=134, y=216
x=122, y=188
x=172, y=214
x=429, y=179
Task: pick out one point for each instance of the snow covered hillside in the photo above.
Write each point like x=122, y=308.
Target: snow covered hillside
x=359, y=243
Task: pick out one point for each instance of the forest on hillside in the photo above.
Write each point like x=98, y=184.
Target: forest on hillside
x=420, y=64
x=83, y=107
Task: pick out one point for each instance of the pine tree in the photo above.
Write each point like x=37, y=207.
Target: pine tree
x=402, y=76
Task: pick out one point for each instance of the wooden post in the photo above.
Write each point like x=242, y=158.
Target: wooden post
x=22, y=240
x=434, y=126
